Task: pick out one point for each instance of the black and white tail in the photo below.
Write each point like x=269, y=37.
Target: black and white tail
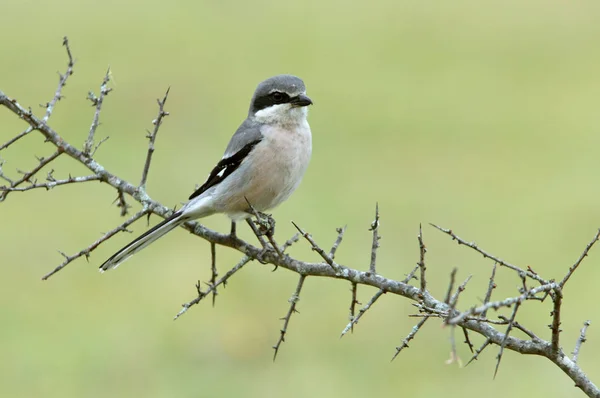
x=144, y=240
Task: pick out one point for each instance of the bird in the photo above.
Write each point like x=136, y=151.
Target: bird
x=262, y=166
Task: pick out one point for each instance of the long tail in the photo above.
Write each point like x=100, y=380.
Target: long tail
x=144, y=240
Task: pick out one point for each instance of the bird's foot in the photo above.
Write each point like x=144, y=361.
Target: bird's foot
x=232, y=233
x=265, y=224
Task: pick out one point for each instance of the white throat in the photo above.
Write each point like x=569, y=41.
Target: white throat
x=282, y=114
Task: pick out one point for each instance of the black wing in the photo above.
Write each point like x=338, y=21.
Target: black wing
x=224, y=168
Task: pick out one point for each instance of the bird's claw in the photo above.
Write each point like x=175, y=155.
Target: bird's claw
x=265, y=224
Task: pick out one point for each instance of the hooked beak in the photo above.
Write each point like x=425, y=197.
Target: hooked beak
x=301, y=100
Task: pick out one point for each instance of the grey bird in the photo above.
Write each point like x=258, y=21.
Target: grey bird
x=263, y=164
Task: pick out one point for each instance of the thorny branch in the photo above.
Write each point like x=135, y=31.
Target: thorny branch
x=286, y=319
x=86, y=252
x=152, y=136
x=421, y=263
x=580, y=340
x=376, y=237
x=362, y=311
x=410, y=336
x=485, y=254
x=51, y=183
x=96, y=101
x=337, y=242
x=474, y=318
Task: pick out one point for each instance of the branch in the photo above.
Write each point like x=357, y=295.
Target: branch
x=86, y=252
x=353, y=303
x=479, y=351
x=410, y=336
x=421, y=263
x=362, y=311
x=316, y=248
x=580, y=341
x=152, y=136
x=504, y=303
x=28, y=174
x=508, y=329
x=97, y=102
x=376, y=237
x=491, y=286
x=62, y=81
x=212, y=287
x=485, y=254
x=286, y=319
x=556, y=319
x=51, y=184
x=574, y=267
x=337, y=242
x=214, y=274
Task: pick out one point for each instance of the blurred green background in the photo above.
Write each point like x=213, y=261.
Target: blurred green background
x=479, y=116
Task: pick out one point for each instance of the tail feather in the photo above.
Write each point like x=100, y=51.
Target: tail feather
x=144, y=240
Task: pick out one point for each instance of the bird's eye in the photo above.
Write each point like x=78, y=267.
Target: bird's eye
x=278, y=97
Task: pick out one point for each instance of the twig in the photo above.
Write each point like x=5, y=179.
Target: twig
x=51, y=184
x=506, y=334
x=16, y=138
x=316, y=248
x=86, y=252
x=362, y=311
x=337, y=242
x=152, y=136
x=580, y=259
x=450, y=285
x=213, y=268
x=524, y=287
x=421, y=263
x=473, y=246
x=286, y=320
x=102, y=141
x=461, y=288
x=290, y=242
x=376, y=237
x=504, y=303
x=467, y=339
x=97, y=102
x=28, y=174
x=479, y=351
x=491, y=286
x=213, y=286
x=5, y=178
x=556, y=319
x=520, y=327
x=273, y=243
x=411, y=275
x=353, y=304
x=580, y=341
x=62, y=81
x=410, y=336
x=186, y=306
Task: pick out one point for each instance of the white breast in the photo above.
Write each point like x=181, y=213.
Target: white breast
x=284, y=159
x=270, y=173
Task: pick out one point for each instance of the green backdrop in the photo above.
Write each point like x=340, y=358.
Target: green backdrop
x=479, y=116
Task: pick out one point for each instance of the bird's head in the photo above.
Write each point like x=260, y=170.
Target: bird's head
x=280, y=99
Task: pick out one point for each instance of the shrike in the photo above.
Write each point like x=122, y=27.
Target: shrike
x=262, y=165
